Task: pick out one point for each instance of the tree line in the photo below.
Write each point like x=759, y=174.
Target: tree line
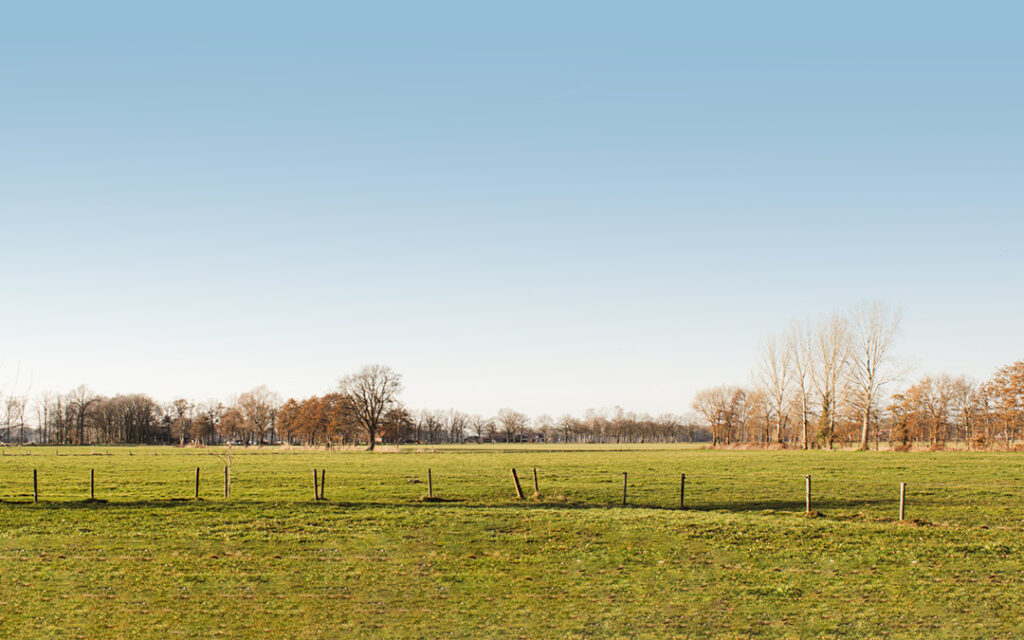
x=816, y=385
x=836, y=381
x=365, y=408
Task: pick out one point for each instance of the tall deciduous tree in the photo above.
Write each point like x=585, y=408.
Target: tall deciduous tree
x=873, y=328
x=964, y=410
x=181, y=413
x=832, y=347
x=800, y=344
x=373, y=391
x=513, y=423
x=1006, y=390
x=396, y=425
x=775, y=377
x=725, y=408
x=231, y=424
x=568, y=426
x=79, y=401
x=258, y=408
x=929, y=404
x=458, y=424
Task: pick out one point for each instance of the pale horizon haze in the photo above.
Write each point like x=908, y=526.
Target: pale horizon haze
x=543, y=206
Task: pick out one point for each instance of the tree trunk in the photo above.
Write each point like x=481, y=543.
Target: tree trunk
x=864, y=428
x=803, y=420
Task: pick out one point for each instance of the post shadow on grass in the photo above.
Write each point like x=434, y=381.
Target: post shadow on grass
x=795, y=506
x=782, y=506
x=430, y=497
x=320, y=482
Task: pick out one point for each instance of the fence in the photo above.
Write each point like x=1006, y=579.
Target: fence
x=320, y=484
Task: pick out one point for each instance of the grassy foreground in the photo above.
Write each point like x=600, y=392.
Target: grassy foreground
x=376, y=560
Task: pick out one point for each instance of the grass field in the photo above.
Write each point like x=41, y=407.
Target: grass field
x=376, y=560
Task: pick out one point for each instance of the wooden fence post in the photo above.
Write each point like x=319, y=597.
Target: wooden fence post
x=323, y=482
x=682, y=490
x=35, y=485
x=92, y=484
x=515, y=481
x=227, y=484
x=197, y=483
x=430, y=484
x=316, y=486
x=536, y=485
x=808, y=494
x=903, y=497
x=624, y=476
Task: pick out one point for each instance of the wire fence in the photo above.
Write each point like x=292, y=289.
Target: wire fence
x=575, y=487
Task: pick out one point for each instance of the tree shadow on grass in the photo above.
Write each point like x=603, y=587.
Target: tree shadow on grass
x=784, y=505
x=439, y=503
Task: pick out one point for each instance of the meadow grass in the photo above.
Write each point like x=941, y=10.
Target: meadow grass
x=375, y=559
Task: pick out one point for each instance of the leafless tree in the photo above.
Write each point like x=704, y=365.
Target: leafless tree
x=79, y=400
x=42, y=405
x=396, y=425
x=458, y=424
x=800, y=345
x=373, y=390
x=258, y=408
x=544, y=425
x=725, y=409
x=181, y=413
x=775, y=377
x=964, y=407
x=490, y=429
x=568, y=425
x=231, y=424
x=873, y=328
x=208, y=417
x=513, y=423
x=479, y=426
x=935, y=397
x=430, y=423
x=14, y=416
x=830, y=365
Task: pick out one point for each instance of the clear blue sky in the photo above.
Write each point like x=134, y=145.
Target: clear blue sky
x=549, y=206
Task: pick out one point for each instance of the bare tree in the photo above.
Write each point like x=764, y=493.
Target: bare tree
x=207, y=420
x=480, y=426
x=929, y=404
x=832, y=357
x=14, y=416
x=181, y=413
x=568, y=426
x=800, y=345
x=373, y=390
x=545, y=425
x=491, y=429
x=874, y=327
x=513, y=423
x=725, y=408
x=712, y=404
x=396, y=425
x=79, y=400
x=1005, y=392
x=431, y=423
x=775, y=376
x=965, y=408
x=231, y=424
x=258, y=408
x=458, y=424
x=42, y=406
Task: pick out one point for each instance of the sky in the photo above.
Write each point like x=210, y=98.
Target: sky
x=548, y=206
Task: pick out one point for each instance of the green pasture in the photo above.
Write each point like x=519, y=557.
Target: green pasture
x=377, y=559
